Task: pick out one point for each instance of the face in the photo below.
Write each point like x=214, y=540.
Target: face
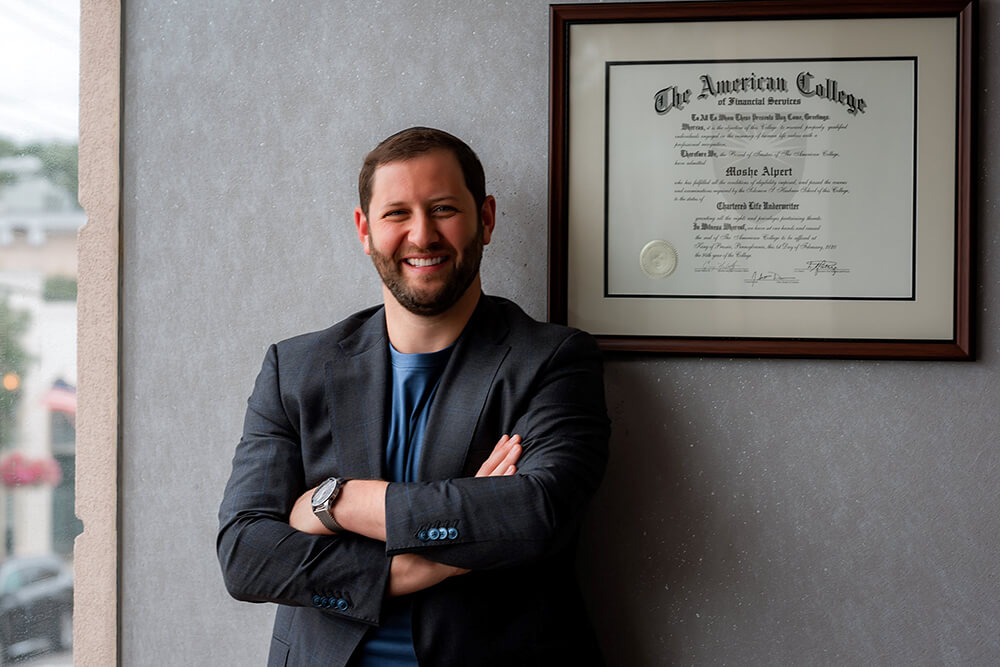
x=424, y=232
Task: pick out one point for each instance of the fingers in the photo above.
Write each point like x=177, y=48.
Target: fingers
x=497, y=455
x=503, y=457
x=506, y=465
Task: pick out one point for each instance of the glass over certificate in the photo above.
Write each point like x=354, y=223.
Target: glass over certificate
x=761, y=179
x=764, y=178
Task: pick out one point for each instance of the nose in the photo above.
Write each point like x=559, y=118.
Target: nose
x=423, y=231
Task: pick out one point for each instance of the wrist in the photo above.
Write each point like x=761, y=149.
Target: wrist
x=323, y=500
x=361, y=507
x=409, y=573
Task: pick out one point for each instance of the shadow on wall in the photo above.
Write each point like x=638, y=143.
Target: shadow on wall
x=646, y=532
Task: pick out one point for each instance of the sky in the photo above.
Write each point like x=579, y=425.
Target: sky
x=39, y=70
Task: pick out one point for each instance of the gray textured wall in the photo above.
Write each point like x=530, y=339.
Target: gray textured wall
x=755, y=511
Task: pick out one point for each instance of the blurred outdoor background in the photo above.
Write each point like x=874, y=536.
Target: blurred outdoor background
x=39, y=220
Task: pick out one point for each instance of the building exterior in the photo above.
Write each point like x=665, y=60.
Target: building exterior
x=38, y=225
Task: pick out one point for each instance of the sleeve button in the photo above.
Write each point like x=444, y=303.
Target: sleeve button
x=422, y=536
x=453, y=533
x=432, y=534
x=342, y=604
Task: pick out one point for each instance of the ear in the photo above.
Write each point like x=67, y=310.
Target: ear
x=488, y=214
x=361, y=222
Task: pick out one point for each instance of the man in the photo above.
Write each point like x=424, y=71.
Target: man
x=410, y=481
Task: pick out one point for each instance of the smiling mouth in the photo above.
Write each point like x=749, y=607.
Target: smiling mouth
x=419, y=261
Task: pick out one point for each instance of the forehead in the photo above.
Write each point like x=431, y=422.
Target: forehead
x=435, y=173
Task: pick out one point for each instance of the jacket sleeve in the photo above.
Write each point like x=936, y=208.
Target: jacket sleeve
x=264, y=559
x=491, y=522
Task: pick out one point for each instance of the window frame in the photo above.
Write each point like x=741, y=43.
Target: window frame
x=96, y=550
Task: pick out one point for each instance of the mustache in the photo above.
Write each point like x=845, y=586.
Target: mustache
x=416, y=250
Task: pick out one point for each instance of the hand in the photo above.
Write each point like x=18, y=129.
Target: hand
x=502, y=459
x=409, y=573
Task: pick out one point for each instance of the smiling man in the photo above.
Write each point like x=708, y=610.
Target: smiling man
x=410, y=481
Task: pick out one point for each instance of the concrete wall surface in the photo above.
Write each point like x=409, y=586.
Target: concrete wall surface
x=755, y=512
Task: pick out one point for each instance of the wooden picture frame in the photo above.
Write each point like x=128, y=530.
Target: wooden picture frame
x=764, y=178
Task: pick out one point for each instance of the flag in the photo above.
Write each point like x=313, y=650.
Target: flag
x=61, y=398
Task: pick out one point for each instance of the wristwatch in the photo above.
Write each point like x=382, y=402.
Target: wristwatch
x=322, y=501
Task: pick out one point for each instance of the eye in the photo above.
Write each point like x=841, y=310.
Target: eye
x=444, y=209
x=395, y=213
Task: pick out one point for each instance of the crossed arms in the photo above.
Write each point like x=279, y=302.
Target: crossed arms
x=270, y=550
x=360, y=509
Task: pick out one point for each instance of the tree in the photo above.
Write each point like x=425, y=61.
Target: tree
x=7, y=148
x=59, y=288
x=13, y=364
x=59, y=162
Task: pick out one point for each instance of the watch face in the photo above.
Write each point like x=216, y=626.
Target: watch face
x=323, y=491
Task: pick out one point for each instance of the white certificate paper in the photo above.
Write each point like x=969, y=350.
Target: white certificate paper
x=767, y=178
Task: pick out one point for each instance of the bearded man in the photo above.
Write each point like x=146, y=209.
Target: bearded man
x=410, y=481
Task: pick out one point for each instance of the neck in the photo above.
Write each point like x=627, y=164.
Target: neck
x=410, y=333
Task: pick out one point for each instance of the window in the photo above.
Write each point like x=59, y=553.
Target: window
x=39, y=220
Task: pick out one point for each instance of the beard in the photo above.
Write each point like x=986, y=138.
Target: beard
x=429, y=300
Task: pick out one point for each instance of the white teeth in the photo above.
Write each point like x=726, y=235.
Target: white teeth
x=416, y=261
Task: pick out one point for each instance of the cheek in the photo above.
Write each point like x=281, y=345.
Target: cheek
x=386, y=242
x=459, y=236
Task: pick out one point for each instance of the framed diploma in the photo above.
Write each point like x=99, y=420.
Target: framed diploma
x=764, y=178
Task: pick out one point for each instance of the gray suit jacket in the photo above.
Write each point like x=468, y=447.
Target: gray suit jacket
x=318, y=409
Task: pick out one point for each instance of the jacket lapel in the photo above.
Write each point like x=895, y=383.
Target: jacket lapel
x=356, y=389
x=462, y=392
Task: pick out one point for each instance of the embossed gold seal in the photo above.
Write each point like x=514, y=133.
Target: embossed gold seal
x=658, y=259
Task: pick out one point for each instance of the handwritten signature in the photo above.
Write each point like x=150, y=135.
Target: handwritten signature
x=722, y=266
x=818, y=266
x=770, y=277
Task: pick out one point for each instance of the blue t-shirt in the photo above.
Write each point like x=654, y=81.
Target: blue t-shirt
x=415, y=379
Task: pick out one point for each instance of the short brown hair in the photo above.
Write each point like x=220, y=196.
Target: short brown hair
x=416, y=141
